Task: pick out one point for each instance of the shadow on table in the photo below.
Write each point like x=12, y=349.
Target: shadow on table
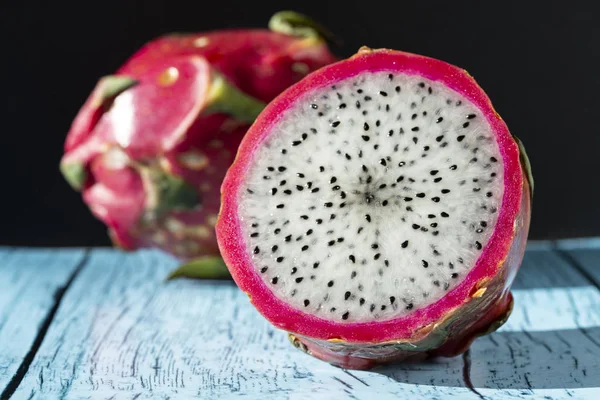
x=515, y=360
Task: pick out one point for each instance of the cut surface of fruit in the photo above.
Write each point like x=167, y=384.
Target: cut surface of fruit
x=377, y=201
x=372, y=197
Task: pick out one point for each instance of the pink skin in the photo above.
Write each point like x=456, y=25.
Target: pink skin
x=158, y=120
x=412, y=328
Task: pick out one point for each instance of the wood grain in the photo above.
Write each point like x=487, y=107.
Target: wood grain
x=121, y=332
x=29, y=281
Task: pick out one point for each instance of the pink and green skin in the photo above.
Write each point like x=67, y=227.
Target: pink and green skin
x=151, y=145
x=477, y=306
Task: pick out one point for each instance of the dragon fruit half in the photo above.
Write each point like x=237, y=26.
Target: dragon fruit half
x=378, y=210
x=151, y=145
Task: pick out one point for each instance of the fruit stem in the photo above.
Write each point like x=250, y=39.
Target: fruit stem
x=209, y=267
x=296, y=24
x=225, y=97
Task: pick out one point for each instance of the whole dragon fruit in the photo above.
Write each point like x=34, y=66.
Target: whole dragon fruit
x=150, y=146
x=378, y=210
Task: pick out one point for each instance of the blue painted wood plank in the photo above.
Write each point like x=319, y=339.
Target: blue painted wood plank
x=29, y=281
x=585, y=257
x=120, y=331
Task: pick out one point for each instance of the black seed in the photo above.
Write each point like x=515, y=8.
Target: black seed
x=440, y=119
x=420, y=195
x=408, y=199
x=277, y=231
x=330, y=283
x=415, y=140
x=256, y=250
x=345, y=315
x=315, y=190
x=444, y=214
x=415, y=129
x=489, y=194
x=438, y=179
x=368, y=98
x=374, y=246
x=280, y=205
x=435, y=199
x=283, y=182
x=314, y=106
x=348, y=156
x=263, y=270
x=473, y=160
x=306, y=302
x=493, y=159
x=454, y=275
x=255, y=234
x=340, y=239
x=414, y=116
x=372, y=308
x=300, y=279
x=471, y=116
x=415, y=226
x=294, y=270
x=368, y=218
x=335, y=124
x=316, y=265
x=400, y=178
x=377, y=256
x=383, y=307
x=433, y=225
x=280, y=259
x=273, y=191
x=409, y=306
x=328, y=204
x=384, y=94
x=465, y=125
x=436, y=283
x=347, y=295
x=305, y=247
x=460, y=138
x=478, y=245
x=383, y=162
x=425, y=148
x=319, y=221
x=296, y=142
x=476, y=189
x=433, y=172
x=445, y=191
x=453, y=167
x=274, y=280
x=384, y=203
x=288, y=238
x=287, y=191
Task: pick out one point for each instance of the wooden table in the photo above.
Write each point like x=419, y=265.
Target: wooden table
x=102, y=324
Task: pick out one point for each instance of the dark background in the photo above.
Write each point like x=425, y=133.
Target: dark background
x=538, y=61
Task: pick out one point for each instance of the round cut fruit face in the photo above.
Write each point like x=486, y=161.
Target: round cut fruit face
x=372, y=197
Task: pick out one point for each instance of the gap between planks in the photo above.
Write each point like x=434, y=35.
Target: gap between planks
x=16, y=380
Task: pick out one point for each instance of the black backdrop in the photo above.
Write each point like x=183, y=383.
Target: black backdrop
x=538, y=61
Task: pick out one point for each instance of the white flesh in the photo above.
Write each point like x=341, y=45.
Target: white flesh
x=383, y=279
